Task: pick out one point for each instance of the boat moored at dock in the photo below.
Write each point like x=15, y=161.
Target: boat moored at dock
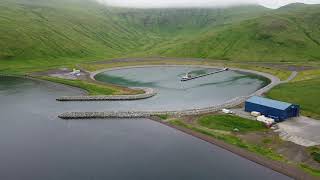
x=189, y=77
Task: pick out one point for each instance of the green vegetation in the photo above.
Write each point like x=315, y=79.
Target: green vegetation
x=45, y=34
x=303, y=90
x=287, y=34
x=231, y=139
x=281, y=74
x=316, y=156
x=310, y=170
x=91, y=88
x=229, y=123
x=307, y=75
x=315, y=153
x=163, y=116
x=306, y=93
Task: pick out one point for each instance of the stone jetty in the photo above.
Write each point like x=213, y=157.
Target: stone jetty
x=146, y=114
x=149, y=92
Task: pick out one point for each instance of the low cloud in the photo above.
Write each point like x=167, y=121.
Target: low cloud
x=200, y=3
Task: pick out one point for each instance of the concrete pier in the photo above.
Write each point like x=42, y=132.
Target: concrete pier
x=203, y=75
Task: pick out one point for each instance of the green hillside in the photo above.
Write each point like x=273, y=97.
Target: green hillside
x=288, y=34
x=38, y=34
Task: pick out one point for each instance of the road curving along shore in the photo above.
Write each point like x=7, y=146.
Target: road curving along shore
x=274, y=81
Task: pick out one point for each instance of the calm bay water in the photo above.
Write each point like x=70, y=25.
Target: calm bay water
x=176, y=95
x=35, y=144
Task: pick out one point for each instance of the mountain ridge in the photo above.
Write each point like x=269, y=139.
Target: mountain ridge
x=51, y=33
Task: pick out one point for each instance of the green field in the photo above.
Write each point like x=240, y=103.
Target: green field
x=305, y=93
x=314, y=172
x=229, y=123
x=315, y=153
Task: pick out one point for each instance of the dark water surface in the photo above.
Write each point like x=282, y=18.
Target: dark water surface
x=36, y=145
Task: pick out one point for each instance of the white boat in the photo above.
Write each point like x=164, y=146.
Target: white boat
x=186, y=77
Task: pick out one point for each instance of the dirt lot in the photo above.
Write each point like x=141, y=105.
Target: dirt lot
x=300, y=130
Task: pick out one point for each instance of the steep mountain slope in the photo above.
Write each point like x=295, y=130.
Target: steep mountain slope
x=81, y=28
x=30, y=31
x=288, y=34
x=37, y=34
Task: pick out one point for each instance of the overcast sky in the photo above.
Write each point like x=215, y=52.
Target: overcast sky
x=201, y=3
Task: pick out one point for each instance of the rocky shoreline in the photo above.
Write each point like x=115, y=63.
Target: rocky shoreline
x=149, y=92
x=146, y=114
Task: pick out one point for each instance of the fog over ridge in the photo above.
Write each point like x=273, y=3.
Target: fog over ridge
x=201, y=3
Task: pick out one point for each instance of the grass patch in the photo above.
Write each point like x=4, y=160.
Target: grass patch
x=267, y=141
x=307, y=75
x=316, y=156
x=310, y=170
x=91, y=88
x=168, y=61
x=281, y=74
x=231, y=139
x=315, y=153
x=163, y=116
x=305, y=93
x=229, y=123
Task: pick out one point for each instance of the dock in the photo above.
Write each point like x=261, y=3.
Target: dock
x=203, y=75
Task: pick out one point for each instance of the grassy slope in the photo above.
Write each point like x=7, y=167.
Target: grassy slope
x=49, y=34
x=286, y=34
x=42, y=34
x=305, y=92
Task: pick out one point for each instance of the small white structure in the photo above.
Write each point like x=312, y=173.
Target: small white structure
x=255, y=113
x=227, y=111
x=75, y=72
x=265, y=120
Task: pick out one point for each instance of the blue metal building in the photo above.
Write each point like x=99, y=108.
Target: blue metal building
x=271, y=108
